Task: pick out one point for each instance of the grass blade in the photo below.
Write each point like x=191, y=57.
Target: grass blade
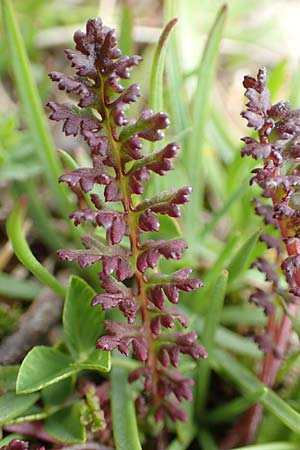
x=123, y=412
x=33, y=110
x=247, y=382
x=206, y=440
x=272, y=446
x=156, y=80
x=240, y=260
x=23, y=252
x=200, y=110
x=11, y=287
x=211, y=323
x=232, y=409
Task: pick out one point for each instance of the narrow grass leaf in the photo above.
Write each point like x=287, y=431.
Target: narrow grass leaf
x=206, y=440
x=247, y=382
x=157, y=71
x=226, y=338
x=272, y=446
x=240, y=261
x=12, y=405
x=124, y=422
x=211, y=323
x=24, y=254
x=200, y=109
x=177, y=444
x=41, y=367
x=66, y=426
x=177, y=103
x=12, y=287
x=232, y=199
x=126, y=27
x=227, y=412
x=234, y=315
x=33, y=110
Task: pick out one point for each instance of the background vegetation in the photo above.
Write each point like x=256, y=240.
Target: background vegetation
x=198, y=81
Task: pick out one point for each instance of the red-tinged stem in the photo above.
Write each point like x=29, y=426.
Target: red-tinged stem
x=135, y=246
x=245, y=430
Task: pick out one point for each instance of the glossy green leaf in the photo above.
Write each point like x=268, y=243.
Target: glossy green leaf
x=240, y=260
x=12, y=287
x=98, y=360
x=82, y=323
x=23, y=252
x=211, y=323
x=12, y=405
x=34, y=112
x=42, y=367
x=125, y=429
x=65, y=425
x=244, y=379
x=157, y=71
x=200, y=110
x=8, y=377
x=57, y=393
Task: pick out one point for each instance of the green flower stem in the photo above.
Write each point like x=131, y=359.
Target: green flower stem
x=23, y=252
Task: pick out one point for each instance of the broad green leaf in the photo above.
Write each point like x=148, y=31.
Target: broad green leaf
x=211, y=323
x=244, y=379
x=23, y=252
x=240, y=260
x=34, y=112
x=65, y=425
x=12, y=287
x=157, y=71
x=82, y=323
x=57, y=393
x=41, y=367
x=200, y=109
x=12, y=405
x=98, y=360
x=125, y=429
x=8, y=377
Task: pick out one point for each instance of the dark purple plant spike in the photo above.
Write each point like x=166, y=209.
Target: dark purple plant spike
x=120, y=166
x=271, y=242
x=263, y=300
x=277, y=145
x=16, y=444
x=268, y=269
